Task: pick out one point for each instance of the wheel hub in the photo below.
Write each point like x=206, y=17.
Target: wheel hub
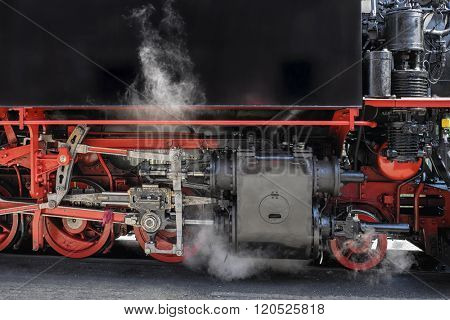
x=74, y=226
x=151, y=222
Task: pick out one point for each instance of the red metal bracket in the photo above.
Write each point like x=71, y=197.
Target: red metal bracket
x=409, y=103
x=348, y=115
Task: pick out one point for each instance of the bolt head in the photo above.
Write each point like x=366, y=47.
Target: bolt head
x=62, y=158
x=52, y=204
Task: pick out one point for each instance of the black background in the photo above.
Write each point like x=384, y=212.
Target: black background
x=244, y=51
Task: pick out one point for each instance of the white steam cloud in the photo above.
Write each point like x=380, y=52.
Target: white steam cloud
x=399, y=259
x=167, y=76
x=215, y=257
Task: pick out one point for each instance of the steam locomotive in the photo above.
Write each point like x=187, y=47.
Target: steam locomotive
x=324, y=132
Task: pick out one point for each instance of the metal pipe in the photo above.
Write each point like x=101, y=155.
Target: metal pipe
x=115, y=203
x=352, y=176
x=199, y=222
x=115, y=194
x=417, y=206
x=385, y=227
x=107, y=171
x=373, y=11
x=128, y=107
x=358, y=142
x=19, y=180
x=274, y=157
x=439, y=33
x=219, y=123
x=409, y=103
x=399, y=187
x=18, y=244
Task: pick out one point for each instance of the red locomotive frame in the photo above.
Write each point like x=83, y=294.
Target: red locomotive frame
x=377, y=191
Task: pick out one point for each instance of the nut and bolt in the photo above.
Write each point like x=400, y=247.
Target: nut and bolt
x=62, y=158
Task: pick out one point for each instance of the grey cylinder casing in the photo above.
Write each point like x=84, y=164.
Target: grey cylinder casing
x=404, y=30
x=274, y=204
x=378, y=65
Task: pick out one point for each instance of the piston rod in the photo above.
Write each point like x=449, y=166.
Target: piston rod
x=199, y=222
x=385, y=227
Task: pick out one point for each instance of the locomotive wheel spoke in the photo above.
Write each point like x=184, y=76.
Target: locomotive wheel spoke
x=372, y=254
x=349, y=254
x=93, y=230
x=9, y=224
x=357, y=254
x=5, y=229
x=9, y=228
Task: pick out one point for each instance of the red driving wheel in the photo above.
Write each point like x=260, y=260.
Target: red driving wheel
x=77, y=238
x=360, y=254
x=9, y=224
x=164, y=240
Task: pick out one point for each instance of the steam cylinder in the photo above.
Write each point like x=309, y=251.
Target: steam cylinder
x=378, y=66
x=404, y=30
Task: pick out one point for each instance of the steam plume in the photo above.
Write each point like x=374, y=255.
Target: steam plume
x=167, y=76
x=215, y=257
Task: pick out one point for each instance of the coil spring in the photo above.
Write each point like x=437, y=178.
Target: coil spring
x=410, y=83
